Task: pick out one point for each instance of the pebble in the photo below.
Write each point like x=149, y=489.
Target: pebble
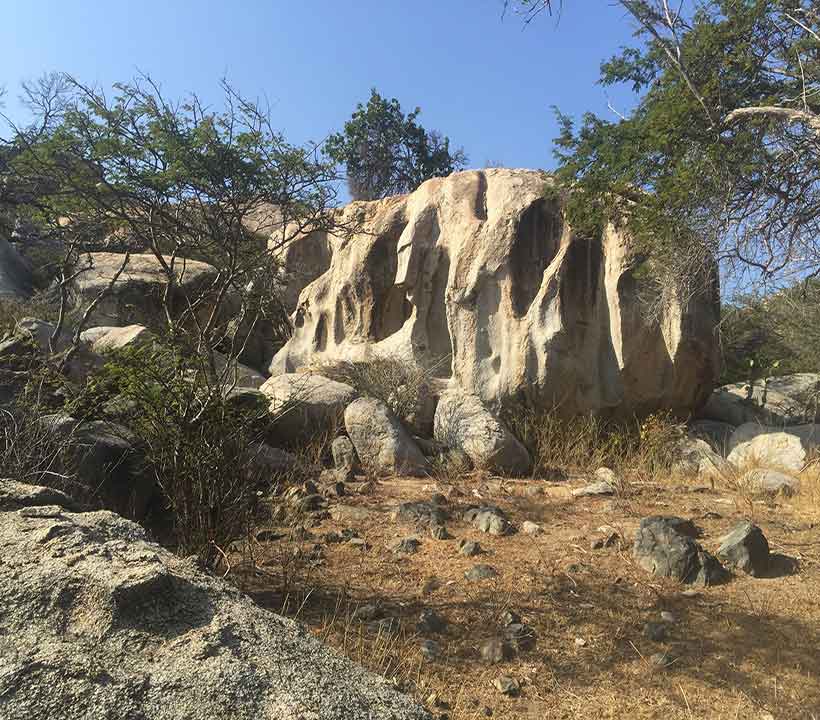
x=507, y=685
x=430, y=650
x=494, y=651
x=430, y=622
x=469, y=548
x=667, y=617
x=661, y=660
x=530, y=528
x=481, y=572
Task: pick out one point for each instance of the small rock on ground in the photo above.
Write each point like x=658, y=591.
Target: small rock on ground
x=507, y=685
x=469, y=548
x=746, y=549
x=481, y=572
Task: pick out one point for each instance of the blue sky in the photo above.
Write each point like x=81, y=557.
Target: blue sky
x=486, y=83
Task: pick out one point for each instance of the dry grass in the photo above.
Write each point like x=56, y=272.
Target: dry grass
x=742, y=649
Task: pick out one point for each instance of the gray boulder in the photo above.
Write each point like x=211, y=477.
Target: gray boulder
x=463, y=422
x=382, y=443
x=696, y=458
x=99, y=623
x=746, y=549
x=304, y=403
x=664, y=547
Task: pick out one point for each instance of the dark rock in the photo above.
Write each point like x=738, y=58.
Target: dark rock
x=406, y=546
x=311, y=503
x=420, y=513
x=430, y=650
x=469, y=548
x=519, y=637
x=431, y=622
x=481, y=572
x=439, y=532
x=746, y=549
x=662, y=549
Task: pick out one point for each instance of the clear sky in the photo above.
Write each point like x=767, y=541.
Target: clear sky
x=486, y=83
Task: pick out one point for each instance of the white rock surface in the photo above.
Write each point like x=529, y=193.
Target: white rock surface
x=779, y=449
x=99, y=623
x=481, y=270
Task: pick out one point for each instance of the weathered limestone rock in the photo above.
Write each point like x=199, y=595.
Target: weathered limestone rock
x=776, y=448
x=480, y=269
x=463, y=422
x=382, y=443
x=663, y=548
x=99, y=623
x=304, y=402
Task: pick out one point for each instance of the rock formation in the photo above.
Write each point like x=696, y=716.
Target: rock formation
x=97, y=622
x=479, y=278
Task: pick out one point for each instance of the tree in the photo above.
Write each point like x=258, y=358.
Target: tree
x=720, y=156
x=386, y=152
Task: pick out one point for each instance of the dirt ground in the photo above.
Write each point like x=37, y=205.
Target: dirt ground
x=749, y=648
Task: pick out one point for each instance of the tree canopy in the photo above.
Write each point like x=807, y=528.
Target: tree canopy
x=720, y=155
x=385, y=152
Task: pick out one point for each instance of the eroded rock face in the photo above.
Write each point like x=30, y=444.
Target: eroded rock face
x=478, y=277
x=97, y=622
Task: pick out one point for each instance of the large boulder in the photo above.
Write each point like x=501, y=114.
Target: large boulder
x=98, y=622
x=777, y=401
x=382, y=443
x=696, y=458
x=479, y=278
x=784, y=448
x=137, y=297
x=304, y=403
x=463, y=422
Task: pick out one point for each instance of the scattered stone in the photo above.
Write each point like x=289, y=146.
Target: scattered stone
x=366, y=613
x=771, y=483
x=580, y=642
x=439, y=532
x=406, y=546
x=530, y=528
x=481, y=572
x=349, y=513
x=661, y=660
x=696, y=458
x=663, y=548
x=610, y=540
x=519, y=637
x=382, y=443
x=655, y=631
x=431, y=622
x=430, y=650
x=598, y=488
x=489, y=520
x=668, y=617
x=494, y=651
x=469, y=548
x=344, y=454
x=420, y=513
x=607, y=475
x=507, y=685
x=509, y=617
x=746, y=549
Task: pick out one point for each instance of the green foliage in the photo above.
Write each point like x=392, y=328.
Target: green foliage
x=196, y=443
x=386, y=152
x=775, y=335
x=695, y=180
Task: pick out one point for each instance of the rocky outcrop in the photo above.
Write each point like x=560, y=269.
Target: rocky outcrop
x=97, y=622
x=479, y=278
